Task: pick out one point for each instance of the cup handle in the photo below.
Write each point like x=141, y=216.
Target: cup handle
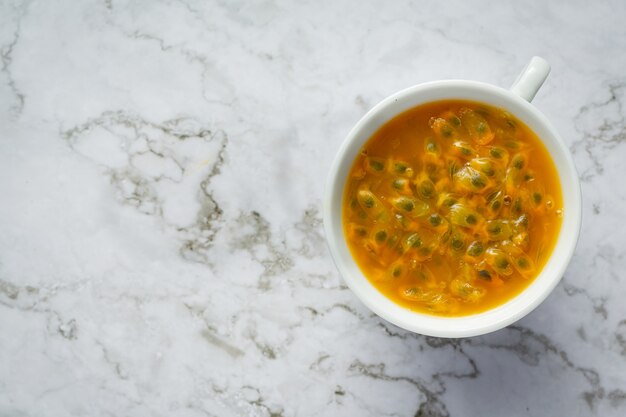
x=531, y=78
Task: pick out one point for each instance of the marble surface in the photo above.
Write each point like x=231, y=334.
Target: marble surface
x=161, y=171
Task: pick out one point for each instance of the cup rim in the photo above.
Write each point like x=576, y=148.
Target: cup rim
x=500, y=316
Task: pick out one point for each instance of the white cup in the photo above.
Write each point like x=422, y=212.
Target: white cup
x=516, y=101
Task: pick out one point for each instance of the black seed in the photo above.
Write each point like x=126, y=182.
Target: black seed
x=376, y=165
x=400, y=167
x=478, y=182
x=427, y=189
x=518, y=162
x=380, y=236
x=435, y=220
x=502, y=263
x=496, y=153
x=475, y=249
x=484, y=274
x=495, y=230
x=425, y=251
x=414, y=241
x=407, y=205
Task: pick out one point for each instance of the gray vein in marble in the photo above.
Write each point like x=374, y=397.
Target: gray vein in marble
x=256, y=400
x=253, y=234
x=602, y=126
x=31, y=298
x=432, y=405
x=598, y=303
x=9, y=289
x=115, y=365
x=209, y=333
x=620, y=336
x=318, y=313
x=208, y=218
x=66, y=329
x=505, y=54
x=273, y=258
x=617, y=398
x=136, y=187
x=194, y=11
x=270, y=348
x=319, y=362
x=606, y=253
x=531, y=346
x=313, y=242
x=190, y=55
x=6, y=52
x=210, y=337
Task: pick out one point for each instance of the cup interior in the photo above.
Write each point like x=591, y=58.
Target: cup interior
x=504, y=314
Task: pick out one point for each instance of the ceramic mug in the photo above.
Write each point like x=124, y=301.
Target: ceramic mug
x=517, y=102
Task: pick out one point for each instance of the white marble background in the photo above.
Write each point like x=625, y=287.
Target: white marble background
x=161, y=171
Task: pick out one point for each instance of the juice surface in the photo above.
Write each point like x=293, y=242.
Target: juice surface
x=452, y=208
